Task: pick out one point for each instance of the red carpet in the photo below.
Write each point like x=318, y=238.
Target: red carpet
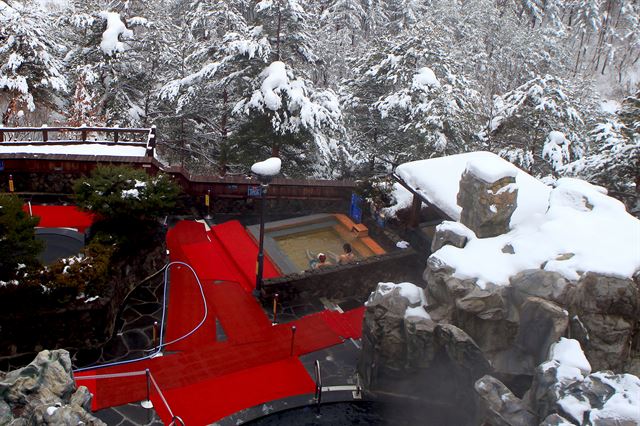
x=61, y=217
x=205, y=380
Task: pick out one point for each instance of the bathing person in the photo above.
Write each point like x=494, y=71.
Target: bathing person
x=348, y=255
x=317, y=262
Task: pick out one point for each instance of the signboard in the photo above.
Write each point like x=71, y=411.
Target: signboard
x=356, y=208
x=253, y=191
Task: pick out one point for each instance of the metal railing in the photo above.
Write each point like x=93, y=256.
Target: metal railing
x=150, y=380
x=318, y=394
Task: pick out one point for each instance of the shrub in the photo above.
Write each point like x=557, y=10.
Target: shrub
x=125, y=194
x=18, y=244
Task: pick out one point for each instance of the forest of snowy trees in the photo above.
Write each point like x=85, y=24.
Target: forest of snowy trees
x=333, y=86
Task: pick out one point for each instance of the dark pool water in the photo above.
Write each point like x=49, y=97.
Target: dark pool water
x=348, y=413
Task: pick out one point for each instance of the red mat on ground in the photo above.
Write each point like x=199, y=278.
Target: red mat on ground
x=209, y=380
x=61, y=217
x=243, y=251
x=208, y=400
x=347, y=325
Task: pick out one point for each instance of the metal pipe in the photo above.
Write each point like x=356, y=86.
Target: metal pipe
x=260, y=269
x=293, y=338
x=275, y=309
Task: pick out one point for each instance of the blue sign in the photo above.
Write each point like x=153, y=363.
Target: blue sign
x=356, y=208
x=254, y=191
x=1, y=165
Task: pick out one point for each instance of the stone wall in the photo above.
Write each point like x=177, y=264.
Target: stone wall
x=31, y=320
x=356, y=280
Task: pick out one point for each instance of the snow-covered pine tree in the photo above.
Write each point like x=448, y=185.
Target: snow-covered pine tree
x=614, y=161
x=221, y=54
x=110, y=67
x=410, y=100
x=541, y=125
x=287, y=117
x=32, y=74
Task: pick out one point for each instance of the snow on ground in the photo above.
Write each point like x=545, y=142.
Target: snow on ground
x=570, y=229
x=92, y=149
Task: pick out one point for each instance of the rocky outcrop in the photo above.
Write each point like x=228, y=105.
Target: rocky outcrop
x=514, y=325
x=487, y=206
x=606, y=311
x=563, y=392
x=44, y=393
x=409, y=355
x=500, y=407
x=451, y=233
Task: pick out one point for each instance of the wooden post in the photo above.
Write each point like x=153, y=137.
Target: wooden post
x=416, y=206
x=115, y=136
x=83, y=135
x=45, y=135
x=1, y=136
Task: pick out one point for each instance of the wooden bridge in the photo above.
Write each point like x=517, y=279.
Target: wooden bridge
x=48, y=159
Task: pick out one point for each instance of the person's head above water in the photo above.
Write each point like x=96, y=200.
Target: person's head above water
x=322, y=257
x=347, y=248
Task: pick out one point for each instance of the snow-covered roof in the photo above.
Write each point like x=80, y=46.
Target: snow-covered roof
x=572, y=228
x=438, y=181
x=90, y=149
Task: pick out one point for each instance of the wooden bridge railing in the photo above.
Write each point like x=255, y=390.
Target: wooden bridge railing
x=8, y=136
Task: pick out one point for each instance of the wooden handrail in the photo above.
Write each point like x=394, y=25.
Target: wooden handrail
x=77, y=129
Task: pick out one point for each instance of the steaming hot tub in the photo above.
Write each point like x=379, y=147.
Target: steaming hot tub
x=287, y=242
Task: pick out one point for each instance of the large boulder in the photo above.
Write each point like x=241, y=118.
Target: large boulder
x=451, y=233
x=539, y=283
x=44, y=393
x=605, y=313
x=564, y=392
x=487, y=206
x=501, y=406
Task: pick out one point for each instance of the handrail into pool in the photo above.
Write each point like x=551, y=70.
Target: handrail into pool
x=318, y=394
x=150, y=380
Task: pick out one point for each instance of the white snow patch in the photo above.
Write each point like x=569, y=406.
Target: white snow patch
x=131, y=193
x=51, y=410
x=111, y=43
x=491, y=172
x=92, y=299
x=418, y=311
x=438, y=180
x=403, y=244
x=456, y=228
x=610, y=106
x=425, y=77
x=624, y=404
x=93, y=149
x=268, y=167
x=569, y=353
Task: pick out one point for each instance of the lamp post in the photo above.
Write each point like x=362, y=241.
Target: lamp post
x=265, y=170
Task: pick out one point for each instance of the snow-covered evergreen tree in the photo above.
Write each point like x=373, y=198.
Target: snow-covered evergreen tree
x=32, y=74
x=541, y=124
x=410, y=100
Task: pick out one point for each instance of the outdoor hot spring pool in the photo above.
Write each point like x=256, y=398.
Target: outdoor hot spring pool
x=288, y=242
